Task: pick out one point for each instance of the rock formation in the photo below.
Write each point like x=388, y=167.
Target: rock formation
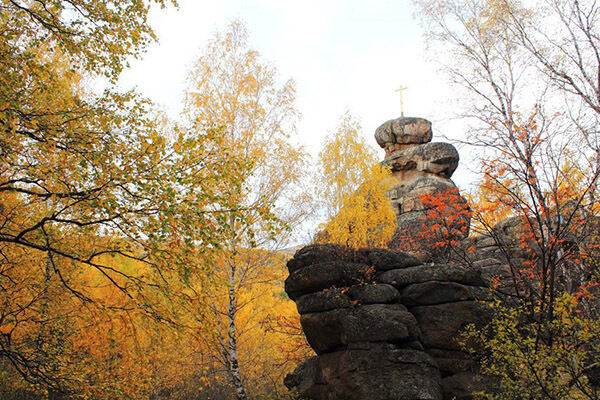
x=384, y=325
x=420, y=168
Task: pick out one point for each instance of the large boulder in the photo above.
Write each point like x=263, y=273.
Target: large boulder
x=400, y=278
x=451, y=362
x=332, y=330
x=462, y=385
x=438, y=292
x=386, y=324
x=408, y=196
x=392, y=134
x=383, y=259
x=317, y=277
x=353, y=311
x=306, y=381
x=437, y=158
x=380, y=259
x=326, y=300
x=320, y=253
x=421, y=169
x=374, y=294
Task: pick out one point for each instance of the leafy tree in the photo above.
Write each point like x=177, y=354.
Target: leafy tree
x=232, y=90
x=352, y=187
x=366, y=218
x=93, y=192
x=490, y=204
x=528, y=368
x=97, y=36
x=445, y=222
x=529, y=90
x=343, y=160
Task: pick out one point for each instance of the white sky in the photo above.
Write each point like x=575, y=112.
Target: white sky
x=343, y=54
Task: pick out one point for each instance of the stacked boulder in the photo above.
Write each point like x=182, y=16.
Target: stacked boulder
x=420, y=167
x=384, y=325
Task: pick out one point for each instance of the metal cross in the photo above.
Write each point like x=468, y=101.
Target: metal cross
x=400, y=90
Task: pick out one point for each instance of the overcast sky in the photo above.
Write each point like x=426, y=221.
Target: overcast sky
x=343, y=54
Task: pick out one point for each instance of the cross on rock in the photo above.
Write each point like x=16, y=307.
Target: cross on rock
x=400, y=90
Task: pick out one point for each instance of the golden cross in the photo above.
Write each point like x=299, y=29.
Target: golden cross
x=400, y=90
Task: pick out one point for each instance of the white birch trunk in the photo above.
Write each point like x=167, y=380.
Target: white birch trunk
x=234, y=368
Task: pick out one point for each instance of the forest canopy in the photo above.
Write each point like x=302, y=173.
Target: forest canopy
x=115, y=220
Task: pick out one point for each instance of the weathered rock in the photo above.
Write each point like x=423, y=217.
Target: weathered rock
x=436, y=292
x=487, y=241
x=403, y=131
x=407, y=195
x=380, y=372
x=322, y=301
x=383, y=260
x=410, y=224
x=451, y=362
x=437, y=158
x=320, y=253
x=442, y=324
x=414, y=219
x=305, y=380
x=499, y=275
x=333, y=330
x=432, y=272
x=316, y=277
x=415, y=345
x=370, y=345
x=421, y=169
x=374, y=293
x=492, y=268
x=353, y=302
x=461, y=386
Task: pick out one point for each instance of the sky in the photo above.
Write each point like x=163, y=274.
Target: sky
x=342, y=54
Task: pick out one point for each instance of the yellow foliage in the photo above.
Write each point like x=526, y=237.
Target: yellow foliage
x=352, y=186
x=490, y=204
x=343, y=160
x=366, y=218
x=108, y=227
x=265, y=351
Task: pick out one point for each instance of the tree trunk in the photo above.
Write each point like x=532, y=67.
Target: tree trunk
x=234, y=368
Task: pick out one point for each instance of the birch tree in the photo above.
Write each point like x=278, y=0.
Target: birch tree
x=233, y=91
